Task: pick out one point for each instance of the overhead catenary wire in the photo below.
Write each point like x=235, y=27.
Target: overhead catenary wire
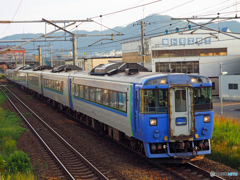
x=103, y=44
x=13, y=17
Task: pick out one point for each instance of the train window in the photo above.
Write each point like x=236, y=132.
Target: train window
x=122, y=101
x=49, y=83
x=81, y=91
x=180, y=102
x=53, y=84
x=177, y=94
x=105, y=97
x=92, y=93
x=76, y=90
x=57, y=85
x=203, y=98
x=61, y=86
x=45, y=82
x=153, y=101
x=113, y=99
x=98, y=95
x=86, y=92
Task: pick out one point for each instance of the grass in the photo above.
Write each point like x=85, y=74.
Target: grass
x=2, y=76
x=225, y=141
x=19, y=176
x=10, y=130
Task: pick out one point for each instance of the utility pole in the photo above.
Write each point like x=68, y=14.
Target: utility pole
x=40, y=55
x=51, y=55
x=74, y=39
x=143, y=48
x=24, y=59
x=142, y=39
x=221, y=88
x=15, y=60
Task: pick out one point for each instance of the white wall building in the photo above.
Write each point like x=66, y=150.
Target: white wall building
x=230, y=87
x=200, y=52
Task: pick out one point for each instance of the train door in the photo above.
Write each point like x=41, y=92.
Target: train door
x=136, y=119
x=181, y=114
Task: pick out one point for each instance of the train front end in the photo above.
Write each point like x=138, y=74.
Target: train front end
x=174, y=116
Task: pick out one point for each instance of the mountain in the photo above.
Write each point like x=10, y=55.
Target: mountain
x=157, y=24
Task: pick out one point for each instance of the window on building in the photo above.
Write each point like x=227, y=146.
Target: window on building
x=232, y=86
x=213, y=85
x=189, y=52
x=179, y=67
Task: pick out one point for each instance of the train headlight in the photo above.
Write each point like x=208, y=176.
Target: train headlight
x=206, y=119
x=153, y=122
x=193, y=80
x=163, y=81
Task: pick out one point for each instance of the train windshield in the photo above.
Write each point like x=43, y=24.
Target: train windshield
x=153, y=101
x=203, y=98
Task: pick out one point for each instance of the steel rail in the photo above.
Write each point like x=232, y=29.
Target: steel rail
x=205, y=172
x=100, y=174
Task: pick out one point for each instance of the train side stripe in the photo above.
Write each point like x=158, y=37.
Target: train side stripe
x=101, y=106
x=53, y=90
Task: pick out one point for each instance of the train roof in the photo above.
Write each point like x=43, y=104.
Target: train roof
x=143, y=77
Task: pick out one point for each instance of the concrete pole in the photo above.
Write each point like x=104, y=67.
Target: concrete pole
x=221, y=88
x=40, y=55
x=24, y=59
x=15, y=60
x=51, y=55
x=74, y=50
x=143, y=48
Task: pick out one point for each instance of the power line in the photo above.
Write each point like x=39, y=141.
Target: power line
x=126, y=9
x=13, y=17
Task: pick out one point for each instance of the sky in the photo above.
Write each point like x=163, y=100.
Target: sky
x=114, y=12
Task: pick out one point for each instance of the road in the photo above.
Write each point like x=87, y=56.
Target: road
x=230, y=108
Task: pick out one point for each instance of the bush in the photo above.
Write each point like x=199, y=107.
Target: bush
x=2, y=76
x=10, y=146
x=18, y=161
x=225, y=141
x=2, y=165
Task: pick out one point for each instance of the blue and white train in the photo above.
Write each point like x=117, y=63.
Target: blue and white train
x=162, y=115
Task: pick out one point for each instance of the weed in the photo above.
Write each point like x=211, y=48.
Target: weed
x=226, y=141
x=46, y=165
x=18, y=161
x=10, y=146
x=28, y=114
x=10, y=130
x=2, y=164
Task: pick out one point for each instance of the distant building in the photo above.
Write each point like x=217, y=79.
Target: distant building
x=197, y=53
x=15, y=53
x=226, y=29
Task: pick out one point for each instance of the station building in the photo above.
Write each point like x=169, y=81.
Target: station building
x=193, y=51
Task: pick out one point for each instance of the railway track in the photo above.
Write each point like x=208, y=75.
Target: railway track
x=185, y=171
x=73, y=164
